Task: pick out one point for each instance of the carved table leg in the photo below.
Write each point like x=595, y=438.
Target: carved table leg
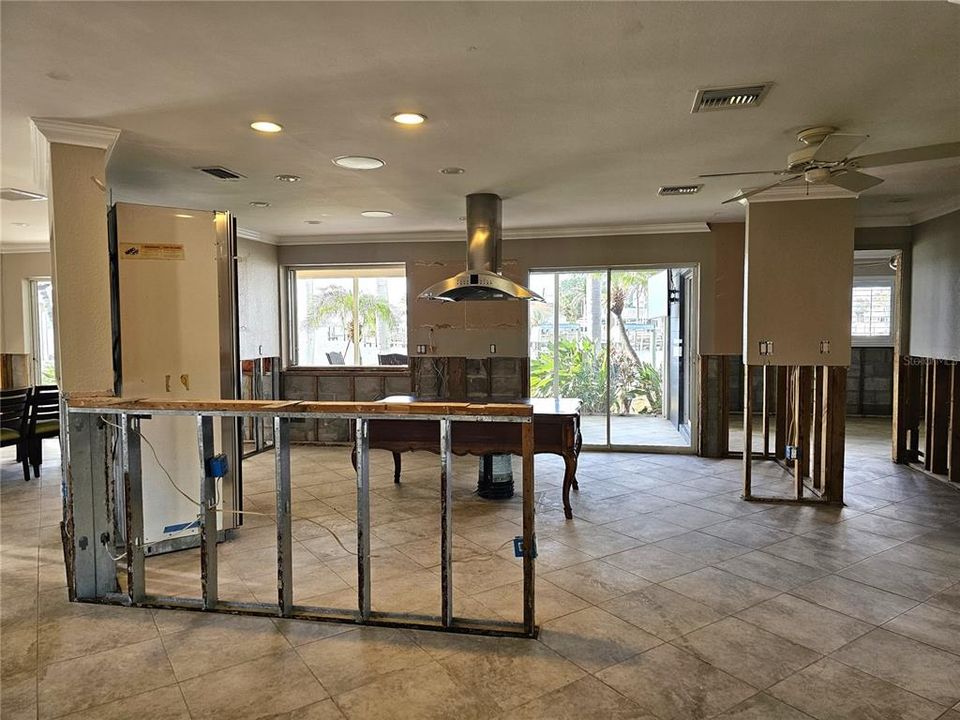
x=569, y=480
x=396, y=467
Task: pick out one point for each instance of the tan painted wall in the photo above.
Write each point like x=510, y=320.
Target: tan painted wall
x=81, y=269
x=15, y=270
x=935, y=295
x=799, y=275
x=258, y=294
x=467, y=329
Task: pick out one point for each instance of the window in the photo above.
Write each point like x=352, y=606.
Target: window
x=44, y=358
x=349, y=315
x=872, y=321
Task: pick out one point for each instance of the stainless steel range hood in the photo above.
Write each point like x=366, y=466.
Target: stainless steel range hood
x=482, y=279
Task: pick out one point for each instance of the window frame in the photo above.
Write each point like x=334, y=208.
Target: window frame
x=888, y=281
x=354, y=272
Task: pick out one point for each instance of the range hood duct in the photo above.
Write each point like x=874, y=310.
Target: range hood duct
x=482, y=279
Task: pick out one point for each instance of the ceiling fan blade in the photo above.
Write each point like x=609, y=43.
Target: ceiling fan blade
x=748, y=172
x=837, y=146
x=853, y=181
x=908, y=155
x=758, y=190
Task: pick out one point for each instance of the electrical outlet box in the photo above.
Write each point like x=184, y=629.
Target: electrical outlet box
x=493, y=349
x=792, y=452
x=421, y=349
x=218, y=466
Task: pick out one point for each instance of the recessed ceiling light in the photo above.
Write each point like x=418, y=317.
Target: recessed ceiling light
x=265, y=126
x=183, y=215
x=21, y=225
x=409, y=118
x=451, y=171
x=358, y=162
x=259, y=204
x=287, y=178
x=377, y=213
x=313, y=222
x=462, y=218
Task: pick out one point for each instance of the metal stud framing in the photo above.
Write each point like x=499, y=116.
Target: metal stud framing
x=87, y=439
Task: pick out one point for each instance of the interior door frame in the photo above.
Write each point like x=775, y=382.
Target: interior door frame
x=692, y=379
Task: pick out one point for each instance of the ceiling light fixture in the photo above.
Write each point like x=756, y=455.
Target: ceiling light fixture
x=451, y=171
x=377, y=213
x=265, y=126
x=21, y=225
x=259, y=204
x=182, y=215
x=313, y=222
x=358, y=162
x=409, y=118
x=287, y=178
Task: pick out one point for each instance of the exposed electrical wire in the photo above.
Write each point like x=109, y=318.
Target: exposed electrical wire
x=218, y=508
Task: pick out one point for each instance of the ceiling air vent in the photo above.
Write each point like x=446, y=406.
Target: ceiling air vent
x=679, y=189
x=729, y=98
x=15, y=194
x=221, y=173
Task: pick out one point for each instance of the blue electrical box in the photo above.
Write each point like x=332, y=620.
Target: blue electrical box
x=217, y=466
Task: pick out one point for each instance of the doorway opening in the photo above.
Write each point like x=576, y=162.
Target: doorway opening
x=622, y=340
x=43, y=350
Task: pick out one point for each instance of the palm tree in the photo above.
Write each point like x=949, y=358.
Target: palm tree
x=337, y=303
x=625, y=284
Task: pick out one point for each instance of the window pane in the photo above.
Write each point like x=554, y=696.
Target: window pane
x=871, y=311
x=351, y=316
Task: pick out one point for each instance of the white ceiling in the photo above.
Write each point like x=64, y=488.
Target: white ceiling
x=574, y=112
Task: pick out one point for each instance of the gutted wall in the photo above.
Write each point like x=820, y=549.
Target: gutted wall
x=467, y=329
x=935, y=290
x=15, y=270
x=258, y=288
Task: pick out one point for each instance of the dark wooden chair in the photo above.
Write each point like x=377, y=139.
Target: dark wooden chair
x=393, y=359
x=43, y=422
x=14, y=405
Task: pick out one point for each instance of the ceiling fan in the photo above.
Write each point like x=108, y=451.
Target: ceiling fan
x=824, y=159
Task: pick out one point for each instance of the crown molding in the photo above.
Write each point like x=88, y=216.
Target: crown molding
x=255, y=235
x=544, y=233
x=880, y=221
x=935, y=211
x=44, y=131
x=807, y=191
x=20, y=248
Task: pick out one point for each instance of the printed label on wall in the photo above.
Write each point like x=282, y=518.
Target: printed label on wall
x=151, y=251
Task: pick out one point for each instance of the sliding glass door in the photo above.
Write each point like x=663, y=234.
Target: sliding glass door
x=616, y=339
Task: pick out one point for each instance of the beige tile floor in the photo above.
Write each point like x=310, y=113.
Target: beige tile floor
x=666, y=598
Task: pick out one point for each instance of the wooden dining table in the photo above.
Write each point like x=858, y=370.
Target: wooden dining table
x=556, y=431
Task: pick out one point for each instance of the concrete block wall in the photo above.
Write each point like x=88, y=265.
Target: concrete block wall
x=870, y=381
x=345, y=386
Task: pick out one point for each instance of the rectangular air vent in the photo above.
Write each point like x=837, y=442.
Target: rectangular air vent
x=15, y=194
x=679, y=189
x=729, y=98
x=221, y=173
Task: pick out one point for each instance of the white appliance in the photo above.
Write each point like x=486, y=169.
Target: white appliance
x=176, y=338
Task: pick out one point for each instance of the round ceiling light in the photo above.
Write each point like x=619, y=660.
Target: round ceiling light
x=265, y=126
x=259, y=204
x=409, y=118
x=287, y=178
x=377, y=213
x=451, y=171
x=358, y=162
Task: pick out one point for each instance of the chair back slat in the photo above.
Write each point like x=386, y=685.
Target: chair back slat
x=44, y=404
x=13, y=407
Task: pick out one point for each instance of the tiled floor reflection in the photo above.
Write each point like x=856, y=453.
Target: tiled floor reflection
x=666, y=598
